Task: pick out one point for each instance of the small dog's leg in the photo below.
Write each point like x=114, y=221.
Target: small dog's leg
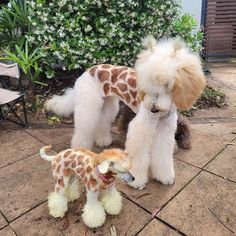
x=112, y=201
x=57, y=201
x=72, y=191
x=110, y=109
x=162, y=162
x=93, y=212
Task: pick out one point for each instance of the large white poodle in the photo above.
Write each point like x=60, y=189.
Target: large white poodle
x=167, y=77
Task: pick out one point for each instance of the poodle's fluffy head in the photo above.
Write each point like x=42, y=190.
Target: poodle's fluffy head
x=167, y=72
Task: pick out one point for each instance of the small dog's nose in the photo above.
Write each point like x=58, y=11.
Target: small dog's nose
x=154, y=110
x=132, y=178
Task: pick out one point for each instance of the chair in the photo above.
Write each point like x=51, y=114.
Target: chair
x=9, y=98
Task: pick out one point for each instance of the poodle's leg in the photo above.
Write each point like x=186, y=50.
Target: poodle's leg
x=57, y=201
x=88, y=105
x=139, y=138
x=162, y=162
x=72, y=191
x=109, y=112
x=112, y=201
x=93, y=212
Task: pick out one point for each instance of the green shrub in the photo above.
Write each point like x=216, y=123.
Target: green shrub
x=80, y=33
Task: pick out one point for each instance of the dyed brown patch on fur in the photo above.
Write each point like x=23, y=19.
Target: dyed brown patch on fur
x=73, y=156
x=103, y=75
x=105, y=66
x=82, y=174
x=123, y=76
x=73, y=165
x=132, y=82
x=92, y=70
x=67, y=172
x=134, y=103
x=67, y=153
x=89, y=169
x=67, y=163
x=122, y=87
x=127, y=97
x=115, y=90
x=106, y=88
x=133, y=93
x=78, y=170
x=115, y=73
x=93, y=182
x=58, y=168
x=61, y=183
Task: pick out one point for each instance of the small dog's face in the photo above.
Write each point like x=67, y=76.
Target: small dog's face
x=116, y=162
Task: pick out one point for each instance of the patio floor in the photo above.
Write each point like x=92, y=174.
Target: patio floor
x=201, y=202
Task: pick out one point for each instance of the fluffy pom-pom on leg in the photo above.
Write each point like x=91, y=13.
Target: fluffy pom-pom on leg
x=112, y=201
x=93, y=212
x=57, y=204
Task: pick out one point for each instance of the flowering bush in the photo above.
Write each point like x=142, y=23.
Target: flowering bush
x=78, y=34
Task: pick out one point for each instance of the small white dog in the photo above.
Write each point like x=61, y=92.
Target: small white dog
x=97, y=172
x=169, y=77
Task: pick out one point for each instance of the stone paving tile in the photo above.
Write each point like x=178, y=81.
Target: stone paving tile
x=7, y=231
x=157, y=228
x=3, y=222
x=38, y=222
x=155, y=195
x=200, y=207
x=208, y=140
x=15, y=145
x=52, y=136
x=23, y=185
x=225, y=163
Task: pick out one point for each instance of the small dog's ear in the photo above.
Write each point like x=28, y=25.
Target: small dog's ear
x=189, y=83
x=104, y=166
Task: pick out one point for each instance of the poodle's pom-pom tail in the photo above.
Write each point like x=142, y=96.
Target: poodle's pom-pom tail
x=183, y=133
x=149, y=42
x=62, y=105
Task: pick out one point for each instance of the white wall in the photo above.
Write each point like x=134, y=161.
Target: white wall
x=194, y=8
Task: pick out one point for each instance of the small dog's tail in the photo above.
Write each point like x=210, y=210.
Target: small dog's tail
x=62, y=105
x=43, y=154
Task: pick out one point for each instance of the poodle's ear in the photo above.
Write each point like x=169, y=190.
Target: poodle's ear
x=104, y=166
x=141, y=95
x=189, y=83
x=149, y=42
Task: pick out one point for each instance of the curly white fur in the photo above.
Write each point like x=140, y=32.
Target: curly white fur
x=57, y=204
x=112, y=201
x=93, y=212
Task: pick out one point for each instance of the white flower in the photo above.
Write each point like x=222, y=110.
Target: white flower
x=88, y=28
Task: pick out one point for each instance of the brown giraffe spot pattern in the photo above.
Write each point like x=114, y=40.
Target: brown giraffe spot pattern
x=80, y=164
x=117, y=81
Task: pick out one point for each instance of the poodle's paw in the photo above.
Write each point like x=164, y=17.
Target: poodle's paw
x=72, y=192
x=166, y=180
x=104, y=141
x=57, y=205
x=112, y=202
x=94, y=215
x=139, y=185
